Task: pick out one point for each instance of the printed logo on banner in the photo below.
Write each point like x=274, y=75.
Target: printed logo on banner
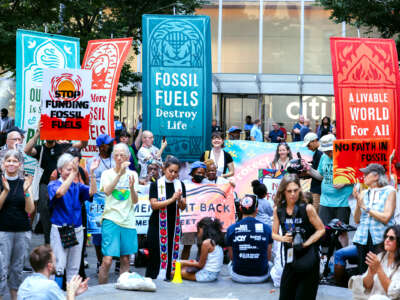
x=105, y=59
x=177, y=82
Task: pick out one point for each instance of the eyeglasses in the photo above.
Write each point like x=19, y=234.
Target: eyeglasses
x=390, y=237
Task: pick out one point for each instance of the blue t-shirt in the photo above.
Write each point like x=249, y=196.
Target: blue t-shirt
x=256, y=133
x=274, y=134
x=331, y=196
x=296, y=136
x=67, y=209
x=303, y=131
x=248, y=126
x=249, y=240
x=39, y=287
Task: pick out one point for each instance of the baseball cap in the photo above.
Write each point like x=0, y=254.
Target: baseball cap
x=104, y=139
x=233, y=129
x=373, y=168
x=326, y=142
x=311, y=136
x=248, y=204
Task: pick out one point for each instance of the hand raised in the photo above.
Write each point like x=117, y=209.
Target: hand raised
x=131, y=182
x=95, y=164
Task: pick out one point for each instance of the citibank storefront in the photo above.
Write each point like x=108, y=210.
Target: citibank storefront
x=271, y=60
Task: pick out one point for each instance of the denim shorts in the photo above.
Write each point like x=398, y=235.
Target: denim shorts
x=117, y=240
x=206, y=276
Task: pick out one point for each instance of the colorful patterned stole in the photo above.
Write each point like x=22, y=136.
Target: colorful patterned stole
x=163, y=229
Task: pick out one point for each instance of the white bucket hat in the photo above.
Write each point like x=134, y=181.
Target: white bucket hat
x=326, y=142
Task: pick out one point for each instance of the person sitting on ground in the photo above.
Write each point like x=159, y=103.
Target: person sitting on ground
x=209, y=233
x=249, y=245
x=198, y=173
x=265, y=209
x=39, y=286
x=382, y=279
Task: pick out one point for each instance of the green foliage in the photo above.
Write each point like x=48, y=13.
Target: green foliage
x=86, y=19
x=382, y=15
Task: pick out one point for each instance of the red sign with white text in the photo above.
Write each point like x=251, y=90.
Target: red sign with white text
x=366, y=83
x=105, y=58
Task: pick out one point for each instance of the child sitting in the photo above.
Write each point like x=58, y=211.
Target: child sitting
x=210, y=236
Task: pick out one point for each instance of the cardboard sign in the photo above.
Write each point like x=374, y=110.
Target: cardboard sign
x=351, y=155
x=65, y=111
x=105, y=59
x=208, y=200
x=177, y=83
x=366, y=84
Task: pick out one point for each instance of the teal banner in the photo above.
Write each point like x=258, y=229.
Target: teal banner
x=37, y=51
x=177, y=89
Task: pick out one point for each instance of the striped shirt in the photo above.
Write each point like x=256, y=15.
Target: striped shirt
x=374, y=199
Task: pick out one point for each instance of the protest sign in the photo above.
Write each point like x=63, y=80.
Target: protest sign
x=105, y=59
x=366, y=85
x=177, y=83
x=37, y=51
x=351, y=155
x=208, y=200
x=65, y=111
x=249, y=157
x=271, y=178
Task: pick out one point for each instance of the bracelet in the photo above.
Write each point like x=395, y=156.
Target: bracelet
x=27, y=195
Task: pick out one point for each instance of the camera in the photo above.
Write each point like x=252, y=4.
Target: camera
x=298, y=236
x=295, y=165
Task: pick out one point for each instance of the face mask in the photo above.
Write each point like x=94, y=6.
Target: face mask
x=198, y=178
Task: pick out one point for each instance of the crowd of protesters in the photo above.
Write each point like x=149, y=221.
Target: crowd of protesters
x=275, y=239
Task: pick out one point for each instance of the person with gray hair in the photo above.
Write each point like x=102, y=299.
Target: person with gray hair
x=15, y=229
x=374, y=211
x=13, y=141
x=148, y=152
x=118, y=227
x=66, y=196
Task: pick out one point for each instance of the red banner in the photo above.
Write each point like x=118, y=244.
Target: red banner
x=351, y=155
x=366, y=84
x=105, y=58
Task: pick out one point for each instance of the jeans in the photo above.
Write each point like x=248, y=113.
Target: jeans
x=344, y=254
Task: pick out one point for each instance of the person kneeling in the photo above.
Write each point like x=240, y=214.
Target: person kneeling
x=211, y=253
x=249, y=244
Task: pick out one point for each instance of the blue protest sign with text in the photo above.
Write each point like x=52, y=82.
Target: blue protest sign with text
x=177, y=83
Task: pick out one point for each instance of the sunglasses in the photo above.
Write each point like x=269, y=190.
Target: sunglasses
x=390, y=237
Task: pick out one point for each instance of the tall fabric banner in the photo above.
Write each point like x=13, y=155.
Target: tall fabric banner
x=65, y=111
x=177, y=89
x=105, y=59
x=366, y=83
x=37, y=51
x=249, y=157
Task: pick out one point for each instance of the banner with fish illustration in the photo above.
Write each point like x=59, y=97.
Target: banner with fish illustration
x=351, y=155
x=37, y=51
x=249, y=157
x=366, y=83
x=105, y=59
